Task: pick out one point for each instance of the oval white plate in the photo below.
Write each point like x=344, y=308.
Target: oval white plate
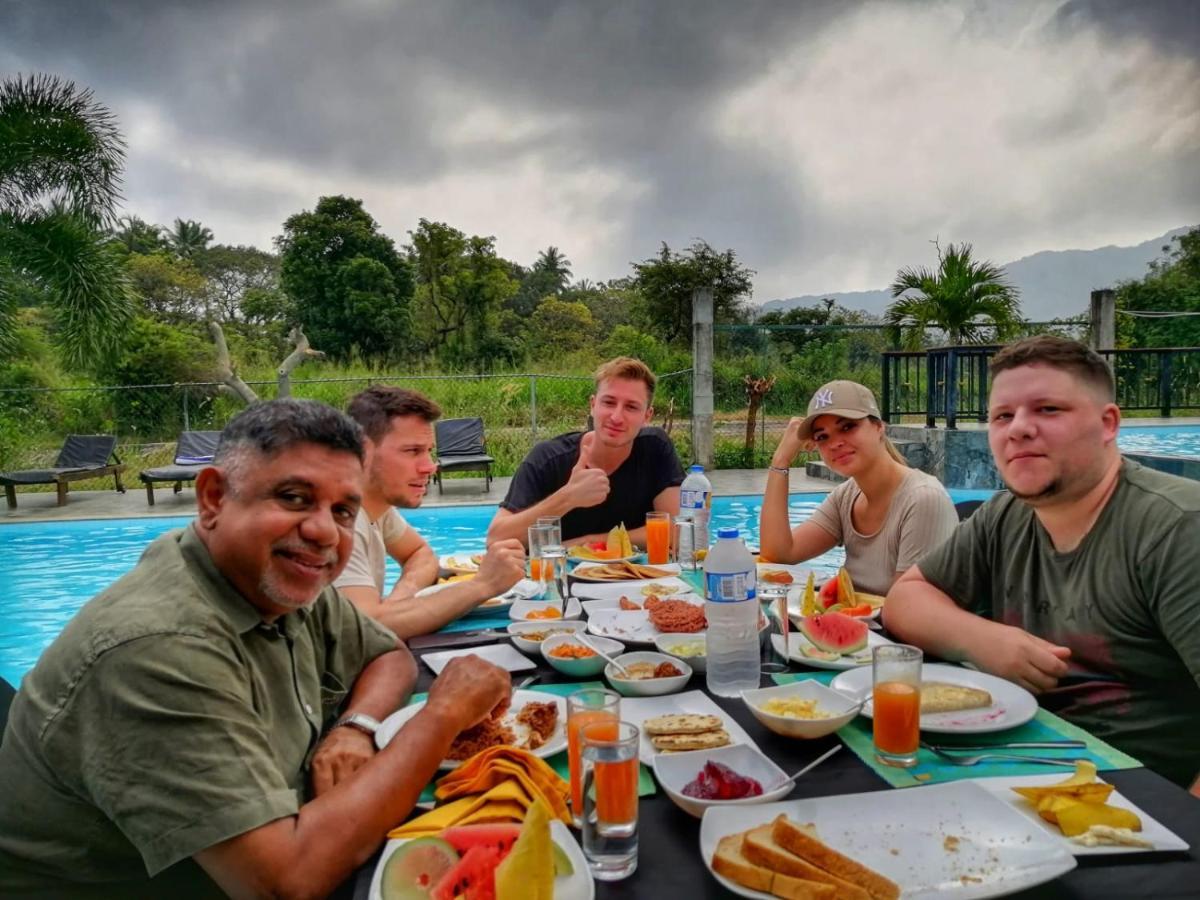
x=797, y=640
x=580, y=574
x=614, y=590
x=558, y=740
x=1012, y=705
x=525, y=589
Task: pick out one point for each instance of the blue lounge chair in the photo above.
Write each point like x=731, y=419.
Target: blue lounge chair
x=193, y=452
x=82, y=456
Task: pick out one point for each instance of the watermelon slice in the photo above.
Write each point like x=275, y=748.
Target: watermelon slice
x=472, y=878
x=829, y=593
x=835, y=632
x=413, y=870
x=497, y=835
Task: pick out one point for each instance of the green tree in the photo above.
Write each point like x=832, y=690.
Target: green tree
x=970, y=300
x=549, y=275
x=60, y=169
x=350, y=288
x=172, y=289
x=666, y=282
x=559, y=327
x=136, y=235
x=1171, y=286
x=233, y=273
x=188, y=238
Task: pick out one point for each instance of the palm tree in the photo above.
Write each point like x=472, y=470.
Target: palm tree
x=963, y=297
x=60, y=171
x=137, y=235
x=554, y=268
x=188, y=237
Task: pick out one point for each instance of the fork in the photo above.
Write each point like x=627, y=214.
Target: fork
x=976, y=760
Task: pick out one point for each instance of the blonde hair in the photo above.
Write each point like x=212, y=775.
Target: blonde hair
x=628, y=368
x=891, y=448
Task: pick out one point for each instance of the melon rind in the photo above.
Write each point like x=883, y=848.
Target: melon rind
x=835, y=632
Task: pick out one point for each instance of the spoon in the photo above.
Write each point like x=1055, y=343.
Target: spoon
x=812, y=765
x=620, y=668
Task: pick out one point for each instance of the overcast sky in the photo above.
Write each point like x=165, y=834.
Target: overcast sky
x=826, y=142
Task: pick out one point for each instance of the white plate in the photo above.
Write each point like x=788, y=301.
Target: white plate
x=1012, y=705
x=796, y=604
x=799, y=573
x=673, y=568
x=796, y=640
x=525, y=589
x=506, y=656
x=558, y=740
x=638, y=709
x=1152, y=830
x=595, y=606
x=522, y=608
x=629, y=625
x=613, y=590
x=902, y=835
x=576, y=886
x=638, y=557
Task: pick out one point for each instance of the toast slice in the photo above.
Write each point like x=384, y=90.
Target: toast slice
x=941, y=696
x=760, y=848
x=732, y=863
x=801, y=842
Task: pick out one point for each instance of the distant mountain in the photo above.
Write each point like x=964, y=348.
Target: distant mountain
x=1053, y=283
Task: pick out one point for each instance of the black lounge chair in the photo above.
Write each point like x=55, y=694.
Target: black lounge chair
x=193, y=452
x=461, y=448
x=82, y=456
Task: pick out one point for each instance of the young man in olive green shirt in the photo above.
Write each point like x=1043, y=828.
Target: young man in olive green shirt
x=1084, y=574
x=176, y=739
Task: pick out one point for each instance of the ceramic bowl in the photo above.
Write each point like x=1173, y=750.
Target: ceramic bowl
x=664, y=643
x=647, y=687
x=675, y=770
x=840, y=707
x=590, y=666
x=518, y=630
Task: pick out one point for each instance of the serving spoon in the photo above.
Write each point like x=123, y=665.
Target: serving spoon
x=620, y=668
x=812, y=765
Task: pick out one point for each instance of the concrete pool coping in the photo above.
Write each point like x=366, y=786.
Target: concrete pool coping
x=40, y=506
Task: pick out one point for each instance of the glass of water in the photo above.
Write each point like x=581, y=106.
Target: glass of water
x=554, y=553
x=774, y=638
x=610, y=799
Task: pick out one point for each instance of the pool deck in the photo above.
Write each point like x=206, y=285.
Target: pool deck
x=40, y=506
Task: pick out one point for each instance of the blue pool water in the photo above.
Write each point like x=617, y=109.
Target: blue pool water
x=53, y=568
x=1171, y=440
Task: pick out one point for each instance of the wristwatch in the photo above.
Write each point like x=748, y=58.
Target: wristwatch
x=361, y=721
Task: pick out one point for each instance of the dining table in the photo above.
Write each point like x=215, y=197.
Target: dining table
x=670, y=863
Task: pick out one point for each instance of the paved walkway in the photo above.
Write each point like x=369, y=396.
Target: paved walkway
x=40, y=507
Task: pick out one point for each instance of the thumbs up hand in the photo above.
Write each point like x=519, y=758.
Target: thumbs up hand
x=586, y=486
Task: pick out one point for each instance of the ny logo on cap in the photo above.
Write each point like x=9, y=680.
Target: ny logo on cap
x=823, y=398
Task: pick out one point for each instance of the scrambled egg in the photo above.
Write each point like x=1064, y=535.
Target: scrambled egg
x=794, y=708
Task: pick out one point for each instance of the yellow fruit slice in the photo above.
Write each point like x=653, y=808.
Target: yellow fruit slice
x=845, y=588
x=809, y=607
x=1079, y=817
x=527, y=873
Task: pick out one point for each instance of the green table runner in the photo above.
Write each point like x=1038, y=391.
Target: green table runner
x=558, y=762
x=1045, y=726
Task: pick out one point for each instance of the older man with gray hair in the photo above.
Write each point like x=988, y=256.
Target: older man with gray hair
x=203, y=726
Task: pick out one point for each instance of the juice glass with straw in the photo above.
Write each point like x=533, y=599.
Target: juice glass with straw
x=587, y=707
x=896, y=681
x=658, y=537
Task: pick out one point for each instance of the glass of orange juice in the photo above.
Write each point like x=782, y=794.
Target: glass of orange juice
x=658, y=538
x=587, y=707
x=896, y=682
x=610, y=799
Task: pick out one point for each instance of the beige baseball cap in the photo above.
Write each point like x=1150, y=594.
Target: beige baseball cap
x=847, y=399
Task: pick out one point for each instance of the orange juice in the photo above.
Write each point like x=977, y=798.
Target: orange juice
x=535, y=568
x=658, y=540
x=616, y=789
x=575, y=724
x=897, y=717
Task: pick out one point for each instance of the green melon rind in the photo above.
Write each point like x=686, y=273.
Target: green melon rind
x=398, y=884
x=850, y=634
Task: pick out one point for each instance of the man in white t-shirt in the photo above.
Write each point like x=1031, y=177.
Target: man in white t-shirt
x=398, y=439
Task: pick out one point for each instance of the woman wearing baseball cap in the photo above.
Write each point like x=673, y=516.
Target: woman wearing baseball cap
x=886, y=514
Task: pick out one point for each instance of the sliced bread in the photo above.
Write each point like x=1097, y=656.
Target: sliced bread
x=800, y=841
x=730, y=861
x=761, y=849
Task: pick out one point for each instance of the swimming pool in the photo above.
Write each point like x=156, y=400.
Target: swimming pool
x=53, y=568
x=1171, y=440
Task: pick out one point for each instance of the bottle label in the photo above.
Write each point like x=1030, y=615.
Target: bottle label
x=730, y=587
x=693, y=499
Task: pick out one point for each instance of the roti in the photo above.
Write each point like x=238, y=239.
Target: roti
x=685, y=723
x=673, y=743
x=941, y=696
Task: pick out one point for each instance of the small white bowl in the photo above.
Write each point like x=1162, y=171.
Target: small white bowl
x=664, y=643
x=675, y=770
x=840, y=707
x=648, y=687
x=580, y=668
x=520, y=610
x=534, y=648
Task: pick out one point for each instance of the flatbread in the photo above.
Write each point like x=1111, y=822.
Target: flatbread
x=940, y=696
x=685, y=723
x=707, y=740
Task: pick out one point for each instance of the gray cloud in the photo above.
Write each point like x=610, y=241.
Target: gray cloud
x=826, y=142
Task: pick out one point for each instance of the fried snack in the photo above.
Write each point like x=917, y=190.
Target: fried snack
x=676, y=743
x=541, y=719
x=627, y=604
x=676, y=616
x=940, y=696
x=488, y=733
x=680, y=723
x=621, y=571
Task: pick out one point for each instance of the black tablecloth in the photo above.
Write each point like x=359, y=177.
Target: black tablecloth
x=670, y=867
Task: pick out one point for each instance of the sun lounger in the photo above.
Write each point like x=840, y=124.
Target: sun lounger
x=193, y=452
x=82, y=456
x=461, y=448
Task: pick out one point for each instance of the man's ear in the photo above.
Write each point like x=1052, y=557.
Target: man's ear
x=1111, y=417
x=212, y=487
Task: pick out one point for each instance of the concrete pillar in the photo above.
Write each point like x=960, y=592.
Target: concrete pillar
x=1103, y=333
x=702, y=376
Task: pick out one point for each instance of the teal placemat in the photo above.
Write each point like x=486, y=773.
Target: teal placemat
x=476, y=623
x=1045, y=726
x=558, y=762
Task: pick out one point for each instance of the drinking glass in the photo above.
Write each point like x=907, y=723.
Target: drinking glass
x=586, y=707
x=555, y=554
x=896, y=680
x=610, y=798
x=773, y=640
x=685, y=543
x=658, y=538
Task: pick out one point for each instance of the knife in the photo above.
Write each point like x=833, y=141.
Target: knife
x=1013, y=745
x=459, y=639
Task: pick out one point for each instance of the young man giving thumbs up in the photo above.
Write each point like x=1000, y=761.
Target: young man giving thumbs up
x=598, y=479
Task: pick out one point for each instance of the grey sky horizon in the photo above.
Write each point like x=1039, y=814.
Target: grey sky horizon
x=827, y=143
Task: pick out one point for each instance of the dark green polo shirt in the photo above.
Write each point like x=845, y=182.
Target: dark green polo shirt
x=1126, y=601
x=167, y=717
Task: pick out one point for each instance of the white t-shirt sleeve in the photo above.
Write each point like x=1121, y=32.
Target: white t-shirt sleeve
x=360, y=570
x=392, y=526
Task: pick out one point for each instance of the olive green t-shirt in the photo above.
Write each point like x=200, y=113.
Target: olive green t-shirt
x=1126, y=601
x=167, y=717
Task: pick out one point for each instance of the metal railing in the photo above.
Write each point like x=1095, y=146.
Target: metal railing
x=951, y=383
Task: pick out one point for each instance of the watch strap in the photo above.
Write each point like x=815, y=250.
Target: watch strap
x=361, y=721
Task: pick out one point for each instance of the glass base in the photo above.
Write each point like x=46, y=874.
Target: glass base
x=612, y=868
x=897, y=760
x=773, y=668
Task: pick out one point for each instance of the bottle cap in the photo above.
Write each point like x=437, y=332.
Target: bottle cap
x=696, y=468
x=727, y=532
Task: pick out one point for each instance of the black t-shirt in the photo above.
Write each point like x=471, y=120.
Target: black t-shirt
x=651, y=468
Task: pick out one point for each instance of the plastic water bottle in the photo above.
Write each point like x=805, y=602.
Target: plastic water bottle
x=731, y=607
x=695, y=506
